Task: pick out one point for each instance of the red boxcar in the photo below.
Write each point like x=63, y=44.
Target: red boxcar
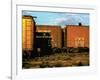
x=76, y=36
x=55, y=33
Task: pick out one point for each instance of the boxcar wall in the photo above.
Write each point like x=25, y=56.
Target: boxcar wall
x=55, y=33
x=28, y=35
x=76, y=36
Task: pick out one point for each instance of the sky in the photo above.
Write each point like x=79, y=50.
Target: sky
x=58, y=18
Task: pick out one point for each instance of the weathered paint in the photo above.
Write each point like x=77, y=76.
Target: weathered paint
x=28, y=32
x=55, y=32
x=76, y=36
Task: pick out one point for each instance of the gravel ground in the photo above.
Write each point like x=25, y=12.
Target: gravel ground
x=58, y=60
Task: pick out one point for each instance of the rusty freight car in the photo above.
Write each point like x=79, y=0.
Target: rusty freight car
x=55, y=33
x=76, y=36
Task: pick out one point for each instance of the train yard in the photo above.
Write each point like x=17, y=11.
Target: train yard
x=49, y=46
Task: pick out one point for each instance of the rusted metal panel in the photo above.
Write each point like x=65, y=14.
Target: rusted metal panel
x=76, y=36
x=55, y=32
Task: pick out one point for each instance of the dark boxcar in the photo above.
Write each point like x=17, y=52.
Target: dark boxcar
x=43, y=43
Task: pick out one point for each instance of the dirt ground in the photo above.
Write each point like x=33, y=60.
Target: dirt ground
x=58, y=60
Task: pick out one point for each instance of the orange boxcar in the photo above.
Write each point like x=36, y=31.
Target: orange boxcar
x=28, y=33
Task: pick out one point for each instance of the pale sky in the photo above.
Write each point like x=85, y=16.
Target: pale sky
x=58, y=18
